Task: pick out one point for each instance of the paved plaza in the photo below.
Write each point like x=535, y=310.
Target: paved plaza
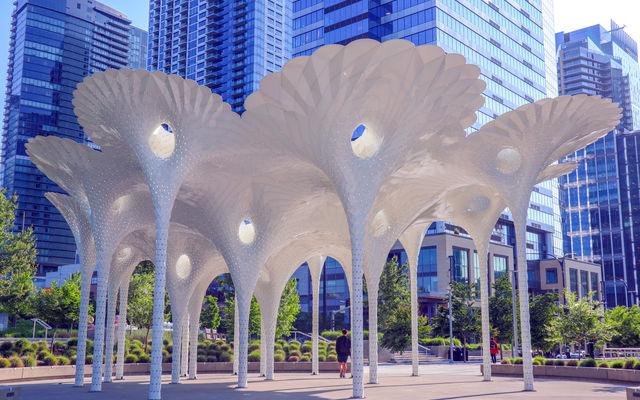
x=437, y=381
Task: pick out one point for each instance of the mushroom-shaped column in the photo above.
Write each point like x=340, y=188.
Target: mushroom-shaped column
x=411, y=240
x=315, y=269
x=174, y=120
x=358, y=113
x=106, y=181
x=77, y=219
x=511, y=153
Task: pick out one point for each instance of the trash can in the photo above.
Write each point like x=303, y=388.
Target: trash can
x=633, y=393
x=458, y=354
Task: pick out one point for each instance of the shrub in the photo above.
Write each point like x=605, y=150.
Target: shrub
x=29, y=361
x=42, y=345
x=294, y=343
x=88, y=359
x=304, y=358
x=21, y=344
x=286, y=348
x=295, y=353
x=588, y=362
x=536, y=362
x=72, y=342
x=636, y=365
x=332, y=357
x=504, y=361
x=518, y=360
x=225, y=347
x=628, y=363
x=225, y=356
x=212, y=358
x=572, y=363
x=62, y=360
x=6, y=347
x=16, y=362
x=202, y=358
x=207, y=343
x=4, y=363
x=558, y=363
x=144, y=358
x=331, y=335
x=70, y=353
x=169, y=348
x=322, y=357
x=165, y=355
x=293, y=359
x=254, y=356
x=549, y=362
x=165, y=342
x=603, y=364
x=131, y=358
x=50, y=359
x=277, y=346
x=278, y=356
x=89, y=346
x=540, y=360
x=253, y=348
x=202, y=352
x=136, y=342
x=617, y=364
x=41, y=355
x=58, y=347
x=433, y=342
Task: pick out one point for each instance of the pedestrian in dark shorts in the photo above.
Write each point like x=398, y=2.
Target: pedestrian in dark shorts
x=343, y=349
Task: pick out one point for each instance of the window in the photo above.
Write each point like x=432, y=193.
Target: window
x=584, y=283
x=499, y=266
x=461, y=265
x=552, y=275
x=573, y=280
x=427, y=270
x=594, y=285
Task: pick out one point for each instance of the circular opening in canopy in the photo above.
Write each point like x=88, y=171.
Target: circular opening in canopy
x=124, y=254
x=183, y=266
x=478, y=204
x=508, y=161
x=380, y=224
x=246, y=232
x=364, y=142
x=120, y=204
x=162, y=141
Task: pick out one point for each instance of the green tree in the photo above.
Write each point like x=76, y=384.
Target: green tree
x=626, y=325
x=210, y=314
x=58, y=305
x=501, y=309
x=393, y=291
x=397, y=336
x=542, y=310
x=228, y=310
x=17, y=260
x=140, y=302
x=466, y=317
x=288, y=309
x=579, y=321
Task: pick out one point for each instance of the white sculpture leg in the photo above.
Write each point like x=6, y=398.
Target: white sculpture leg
x=98, y=343
x=413, y=284
x=155, y=378
x=177, y=348
x=357, y=368
x=315, y=328
x=184, y=357
x=263, y=346
x=484, y=308
x=236, y=332
x=520, y=220
x=122, y=329
x=111, y=320
x=373, y=332
x=270, y=338
x=241, y=340
x=193, y=342
x=85, y=287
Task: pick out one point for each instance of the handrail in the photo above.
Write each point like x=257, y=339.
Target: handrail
x=43, y=324
x=426, y=349
x=321, y=338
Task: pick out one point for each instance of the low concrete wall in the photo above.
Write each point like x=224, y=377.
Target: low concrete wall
x=68, y=371
x=550, y=371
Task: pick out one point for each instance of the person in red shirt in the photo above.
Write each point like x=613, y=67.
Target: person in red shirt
x=494, y=350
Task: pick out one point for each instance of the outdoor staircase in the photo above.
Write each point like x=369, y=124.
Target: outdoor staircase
x=424, y=356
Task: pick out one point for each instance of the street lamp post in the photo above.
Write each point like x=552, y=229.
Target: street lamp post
x=451, y=266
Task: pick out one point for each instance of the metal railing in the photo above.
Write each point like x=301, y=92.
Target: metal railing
x=621, y=352
x=41, y=323
x=321, y=338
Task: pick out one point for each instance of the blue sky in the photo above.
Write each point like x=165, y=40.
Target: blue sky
x=569, y=15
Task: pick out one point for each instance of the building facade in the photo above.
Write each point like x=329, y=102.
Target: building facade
x=511, y=41
x=228, y=46
x=54, y=44
x=601, y=209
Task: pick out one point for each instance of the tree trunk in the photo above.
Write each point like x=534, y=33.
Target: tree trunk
x=146, y=340
x=14, y=320
x=53, y=336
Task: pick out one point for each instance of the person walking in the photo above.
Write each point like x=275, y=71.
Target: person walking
x=494, y=349
x=343, y=349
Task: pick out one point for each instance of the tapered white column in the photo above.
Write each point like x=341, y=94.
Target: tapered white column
x=85, y=287
x=101, y=300
x=177, y=347
x=520, y=222
x=315, y=269
x=373, y=331
x=357, y=244
x=241, y=340
x=194, y=316
x=110, y=330
x=270, y=338
x=263, y=345
x=122, y=329
x=482, y=248
x=236, y=332
x=184, y=357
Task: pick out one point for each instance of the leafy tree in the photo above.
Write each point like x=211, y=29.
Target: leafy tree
x=393, y=291
x=397, y=336
x=542, y=310
x=58, y=305
x=140, y=302
x=17, y=260
x=466, y=317
x=210, y=314
x=501, y=309
x=229, y=313
x=579, y=321
x=288, y=309
x=626, y=325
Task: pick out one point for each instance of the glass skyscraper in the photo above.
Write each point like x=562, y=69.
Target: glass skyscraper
x=228, y=46
x=54, y=44
x=512, y=41
x=601, y=204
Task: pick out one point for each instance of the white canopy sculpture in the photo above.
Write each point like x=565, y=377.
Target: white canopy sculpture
x=340, y=154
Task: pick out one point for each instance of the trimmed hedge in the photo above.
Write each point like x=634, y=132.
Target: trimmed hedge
x=50, y=359
x=617, y=364
x=254, y=356
x=588, y=362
